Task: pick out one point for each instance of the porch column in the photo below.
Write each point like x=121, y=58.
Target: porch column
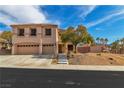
x=40, y=47
x=57, y=48
x=66, y=48
x=14, y=49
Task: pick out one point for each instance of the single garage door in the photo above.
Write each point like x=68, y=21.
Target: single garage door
x=27, y=49
x=48, y=49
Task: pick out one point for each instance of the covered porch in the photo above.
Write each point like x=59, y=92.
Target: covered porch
x=65, y=48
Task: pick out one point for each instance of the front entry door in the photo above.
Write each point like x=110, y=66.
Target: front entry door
x=60, y=48
x=70, y=47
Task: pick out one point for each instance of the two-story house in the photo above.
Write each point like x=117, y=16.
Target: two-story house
x=35, y=39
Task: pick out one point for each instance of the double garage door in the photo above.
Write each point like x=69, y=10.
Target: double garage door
x=27, y=49
x=47, y=49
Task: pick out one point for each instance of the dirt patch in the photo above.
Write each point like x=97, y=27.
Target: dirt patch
x=54, y=61
x=97, y=59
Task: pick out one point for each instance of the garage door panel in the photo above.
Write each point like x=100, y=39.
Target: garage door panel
x=48, y=50
x=27, y=49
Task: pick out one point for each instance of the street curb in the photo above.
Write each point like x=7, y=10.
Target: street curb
x=71, y=67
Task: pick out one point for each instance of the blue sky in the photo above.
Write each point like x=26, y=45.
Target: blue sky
x=101, y=21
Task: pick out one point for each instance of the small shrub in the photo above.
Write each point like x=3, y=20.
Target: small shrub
x=99, y=54
x=111, y=63
x=69, y=62
x=110, y=58
x=70, y=54
x=54, y=61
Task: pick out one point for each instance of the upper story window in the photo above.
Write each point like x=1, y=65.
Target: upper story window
x=21, y=32
x=33, y=32
x=48, y=32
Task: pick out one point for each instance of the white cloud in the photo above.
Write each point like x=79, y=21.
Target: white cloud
x=5, y=19
x=106, y=18
x=21, y=14
x=56, y=22
x=98, y=29
x=115, y=20
x=86, y=10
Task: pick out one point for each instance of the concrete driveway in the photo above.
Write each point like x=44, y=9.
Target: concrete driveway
x=25, y=60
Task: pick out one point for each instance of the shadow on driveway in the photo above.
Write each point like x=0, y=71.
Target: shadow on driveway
x=43, y=56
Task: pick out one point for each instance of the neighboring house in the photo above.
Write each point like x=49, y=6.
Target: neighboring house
x=2, y=43
x=35, y=39
x=83, y=48
x=99, y=48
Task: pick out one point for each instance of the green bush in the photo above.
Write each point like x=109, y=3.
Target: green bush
x=98, y=54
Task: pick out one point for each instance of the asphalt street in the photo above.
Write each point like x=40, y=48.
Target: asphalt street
x=44, y=78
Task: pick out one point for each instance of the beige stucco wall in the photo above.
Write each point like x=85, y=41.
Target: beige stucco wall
x=95, y=49
x=0, y=46
x=40, y=38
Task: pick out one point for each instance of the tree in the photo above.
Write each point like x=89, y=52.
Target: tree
x=122, y=42
x=65, y=36
x=106, y=41
x=74, y=39
x=101, y=40
x=98, y=40
x=79, y=35
x=7, y=35
x=115, y=46
x=75, y=36
x=82, y=31
x=122, y=45
x=88, y=40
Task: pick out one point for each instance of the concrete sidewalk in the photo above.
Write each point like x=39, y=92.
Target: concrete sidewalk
x=71, y=67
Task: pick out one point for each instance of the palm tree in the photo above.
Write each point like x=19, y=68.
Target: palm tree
x=106, y=41
x=122, y=45
x=102, y=41
x=122, y=42
x=115, y=46
x=98, y=40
